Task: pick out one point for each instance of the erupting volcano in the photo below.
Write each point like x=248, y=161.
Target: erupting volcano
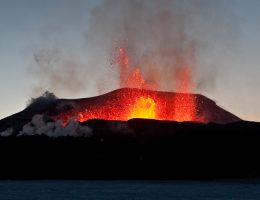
x=103, y=131
x=141, y=69
x=137, y=99
x=141, y=102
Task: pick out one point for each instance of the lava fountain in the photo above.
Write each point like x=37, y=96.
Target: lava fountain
x=185, y=103
x=144, y=108
x=139, y=102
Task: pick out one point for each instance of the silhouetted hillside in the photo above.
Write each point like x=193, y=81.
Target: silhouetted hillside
x=137, y=149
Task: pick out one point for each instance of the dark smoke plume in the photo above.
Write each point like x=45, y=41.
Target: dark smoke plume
x=46, y=98
x=42, y=102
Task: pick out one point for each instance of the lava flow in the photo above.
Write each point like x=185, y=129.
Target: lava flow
x=139, y=102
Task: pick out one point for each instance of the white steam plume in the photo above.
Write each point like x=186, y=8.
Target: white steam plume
x=40, y=126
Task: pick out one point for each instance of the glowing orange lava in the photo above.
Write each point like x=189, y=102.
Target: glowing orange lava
x=144, y=107
x=130, y=78
x=127, y=103
x=184, y=108
x=138, y=103
x=185, y=103
x=122, y=60
x=135, y=79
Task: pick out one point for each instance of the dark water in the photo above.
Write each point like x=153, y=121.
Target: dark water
x=129, y=190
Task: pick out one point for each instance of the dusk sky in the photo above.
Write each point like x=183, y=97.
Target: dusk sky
x=73, y=35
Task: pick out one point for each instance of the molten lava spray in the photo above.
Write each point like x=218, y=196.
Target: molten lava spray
x=184, y=108
x=140, y=102
x=136, y=80
x=129, y=77
x=122, y=61
x=144, y=108
x=128, y=103
x=184, y=102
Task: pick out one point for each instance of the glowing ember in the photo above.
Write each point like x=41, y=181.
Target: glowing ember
x=185, y=108
x=127, y=77
x=136, y=80
x=122, y=60
x=144, y=107
x=184, y=80
x=185, y=104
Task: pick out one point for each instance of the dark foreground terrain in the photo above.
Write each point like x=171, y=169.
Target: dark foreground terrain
x=137, y=149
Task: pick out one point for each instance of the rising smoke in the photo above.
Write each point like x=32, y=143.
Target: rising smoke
x=160, y=37
x=45, y=99
x=56, y=72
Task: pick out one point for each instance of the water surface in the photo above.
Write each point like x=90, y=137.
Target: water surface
x=129, y=190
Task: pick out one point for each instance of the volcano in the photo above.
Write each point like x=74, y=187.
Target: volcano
x=124, y=104
x=180, y=136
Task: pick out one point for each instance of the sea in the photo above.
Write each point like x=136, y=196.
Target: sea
x=129, y=190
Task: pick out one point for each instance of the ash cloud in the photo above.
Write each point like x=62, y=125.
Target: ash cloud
x=58, y=72
x=46, y=98
x=42, y=102
x=160, y=37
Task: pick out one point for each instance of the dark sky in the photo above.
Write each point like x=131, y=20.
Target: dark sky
x=76, y=34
